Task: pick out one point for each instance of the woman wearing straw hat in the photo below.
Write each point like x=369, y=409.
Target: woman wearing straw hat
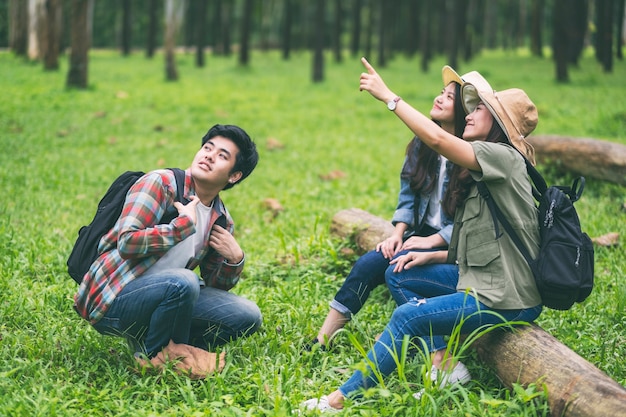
x=423, y=217
x=495, y=284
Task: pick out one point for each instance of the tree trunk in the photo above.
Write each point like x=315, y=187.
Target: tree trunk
x=288, y=21
x=337, y=28
x=51, y=39
x=355, y=43
x=426, y=35
x=318, y=42
x=619, y=30
x=575, y=387
x=246, y=22
x=383, y=29
x=559, y=40
x=200, y=34
x=604, y=34
x=536, y=26
x=35, y=10
x=152, y=28
x=127, y=27
x=174, y=10
x=80, y=41
x=18, y=27
x=589, y=157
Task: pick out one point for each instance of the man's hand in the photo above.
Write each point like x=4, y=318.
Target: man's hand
x=225, y=244
x=188, y=210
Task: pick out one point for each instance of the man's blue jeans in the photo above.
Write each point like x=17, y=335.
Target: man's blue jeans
x=423, y=318
x=170, y=304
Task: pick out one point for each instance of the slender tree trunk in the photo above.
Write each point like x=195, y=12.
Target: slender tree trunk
x=246, y=23
x=52, y=34
x=200, y=32
x=426, y=36
x=559, y=40
x=127, y=26
x=491, y=24
x=337, y=27
x=174, y=10
x=577, y=29
x=80, y=42
x=383, y=29
x=216, y=25
x=34, y=17
x=604, y=36
x=152, y=28
x=287, y=24
x=369, y=33
x=18, y=27
x=227, y=12
x=355, y=43
x=318, y=41
x=619, y=33
x=536, y=27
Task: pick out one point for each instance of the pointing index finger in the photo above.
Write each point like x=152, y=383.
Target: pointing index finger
x=368, y=66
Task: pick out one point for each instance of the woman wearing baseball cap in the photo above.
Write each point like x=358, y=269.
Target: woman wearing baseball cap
x=495, y=284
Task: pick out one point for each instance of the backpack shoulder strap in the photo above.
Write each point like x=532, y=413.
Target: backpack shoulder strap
x=496, y=213
x=179, y=175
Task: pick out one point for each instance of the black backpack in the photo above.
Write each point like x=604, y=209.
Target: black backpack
x=564, y=267
x=85, y=250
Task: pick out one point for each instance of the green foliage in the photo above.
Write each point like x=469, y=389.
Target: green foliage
x=62, y=148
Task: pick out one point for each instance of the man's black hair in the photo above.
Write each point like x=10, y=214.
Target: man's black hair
x=247, y=157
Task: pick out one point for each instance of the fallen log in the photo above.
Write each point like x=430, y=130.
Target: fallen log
x=588, y=157
x=575, y=387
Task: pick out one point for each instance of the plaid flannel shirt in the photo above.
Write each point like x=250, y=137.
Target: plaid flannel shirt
x=137, y=241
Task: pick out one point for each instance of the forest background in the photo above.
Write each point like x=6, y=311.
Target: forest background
x=324, y=147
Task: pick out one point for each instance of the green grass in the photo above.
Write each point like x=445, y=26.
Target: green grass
x=61, y=149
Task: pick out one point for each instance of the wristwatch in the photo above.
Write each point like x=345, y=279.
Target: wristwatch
x=391, y=105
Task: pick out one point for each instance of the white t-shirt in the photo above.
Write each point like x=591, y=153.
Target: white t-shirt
x=433, y=214
x=179, y=255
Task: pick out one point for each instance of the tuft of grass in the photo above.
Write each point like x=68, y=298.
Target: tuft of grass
x=62, y=148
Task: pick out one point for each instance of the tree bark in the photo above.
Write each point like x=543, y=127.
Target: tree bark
x=18, y=26
x=127, y=27
x=589, y=157
x=77, y=75
x=575, y=387
x=287, y=24
x=200, y=32
x=318, y=42
x=51, y=40
x=355, y=41
x=174, y=10
x=246, y=21
x=152, y=28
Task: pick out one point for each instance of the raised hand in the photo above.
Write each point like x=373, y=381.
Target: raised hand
x=371, y=82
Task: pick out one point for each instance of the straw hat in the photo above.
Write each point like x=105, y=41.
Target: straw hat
x=449, y=75
x=513, y=110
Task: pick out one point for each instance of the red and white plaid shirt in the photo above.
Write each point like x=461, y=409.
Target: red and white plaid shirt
x=137, y=241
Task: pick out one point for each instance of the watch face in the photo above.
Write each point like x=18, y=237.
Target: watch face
x=391, y=105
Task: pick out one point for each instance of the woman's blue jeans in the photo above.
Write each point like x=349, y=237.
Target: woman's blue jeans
x=367, y=273
x=423, y=281
x=423, y=318
x=170, y=305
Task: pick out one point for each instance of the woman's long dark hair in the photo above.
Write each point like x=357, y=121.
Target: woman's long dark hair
x=424, y=170
x=460, y=179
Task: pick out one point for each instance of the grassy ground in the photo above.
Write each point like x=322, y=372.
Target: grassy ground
x=61, y=149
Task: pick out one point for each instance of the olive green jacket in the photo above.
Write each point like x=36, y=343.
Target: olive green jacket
x=494, y=269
